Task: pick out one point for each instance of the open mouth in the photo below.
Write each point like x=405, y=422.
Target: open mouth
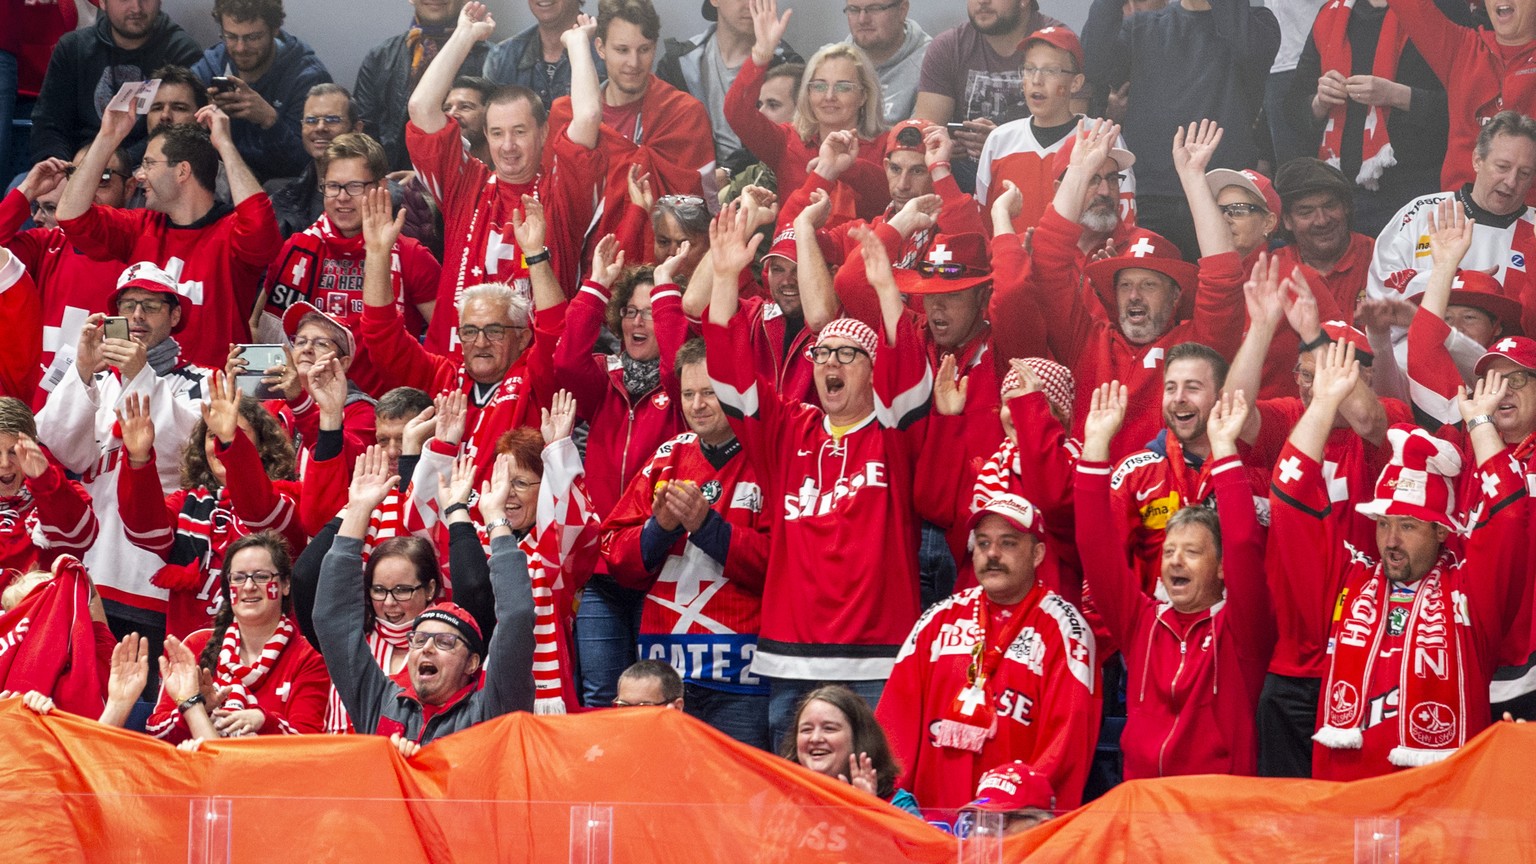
x=426, y=670
x=1136, y=314
x=1177, y=580
x=1503, y=12
x=835, y=384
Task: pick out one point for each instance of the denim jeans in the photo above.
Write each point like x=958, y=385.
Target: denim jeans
x=739, y=715
x=607, y=632
x=9, y=79
x=784, y=695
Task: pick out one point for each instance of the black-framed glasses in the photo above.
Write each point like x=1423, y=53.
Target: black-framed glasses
x=353, y=189
x=492, y=332
x=442, y=641
x=328, y=120
x=872, y=9
x=1239, y=209
x=1517, y=379
x=149, y=307
x=401, y=593
x=48, y=208
x=260, y=577
x=1114, y=179
x=630, y=312
x=107, y=175
x=845, y=354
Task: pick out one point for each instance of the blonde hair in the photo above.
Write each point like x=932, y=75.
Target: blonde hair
x=20, y=586
x=871, y=114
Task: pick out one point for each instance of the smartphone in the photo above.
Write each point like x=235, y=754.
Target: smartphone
x=258, y=359
x=222, y=84
x=116, y=327
x=955, y=127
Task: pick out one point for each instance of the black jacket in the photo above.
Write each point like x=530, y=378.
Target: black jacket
x=277, y=151
x=86, y=71
x=384, y=87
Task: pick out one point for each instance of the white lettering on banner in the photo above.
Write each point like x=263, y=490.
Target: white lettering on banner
x=811, y=501
x=14, y=638
x=1381, y=709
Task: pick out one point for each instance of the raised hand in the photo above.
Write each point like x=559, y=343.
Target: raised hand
x=244, y=103
x=1095, y=138
x=1029, y=382
x=877, y=261
x=815, y=213
x=452, y=409
x=495, y=491
x=640, y=193
x=918, y=214
x=461, y=484
x=1007, y=207
x=1193, y=147
x=937, y=146
x=326, y=382
x=1484, y=398
x=30, y=456
x=607, y=261
x=1226, y=423
x=475, y=19
x=557, y=421
x=285, y=378
x=837, y=153
x=179, y=674
x=1337, y=373
x=44, y=177
x=1380, y=315
x=1450, y=234
x=861, y=773
x=581, y=33
x=666, y=272
x=137, y=428
x=1301, y=306
x=222, y=410
x=1106, y=413
x=115, y=126
x=213, y=118
x=1264, y=292
x=949, y=389
x=417, y=430
x=371, y=480
x=128, y=355
x=761, y=206
x=88, y=357
x=129, y=670
x=732, y=243
x=529, y=226
x=381, y=224
x=768, y=26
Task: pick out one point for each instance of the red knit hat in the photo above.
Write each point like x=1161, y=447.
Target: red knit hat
x=1013, y=786
x=1016, y=509
x=1520, y=349
x=1417, y=482
x=145, y=276
x=853, y=330
x=457, y=617
x=1056, y=381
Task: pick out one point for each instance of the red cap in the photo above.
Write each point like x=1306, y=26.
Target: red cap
x=1123, y=158
x=296, y=314
x=1013, y=786
x=1255, y=183
x=145, y=276
x=1016, y=509
x=1520, y=349
x=1340, y=331
x=1057, y=37
x=906, y=135
x=953, y=262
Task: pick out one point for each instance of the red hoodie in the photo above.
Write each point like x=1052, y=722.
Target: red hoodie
x=1194, y=680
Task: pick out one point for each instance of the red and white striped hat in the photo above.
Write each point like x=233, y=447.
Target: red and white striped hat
x=853, y=330
x=1056, y=381
x=1417, y=482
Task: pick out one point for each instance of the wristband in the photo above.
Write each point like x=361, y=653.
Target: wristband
x=496, y=523
x=454, y=508
x=538, y=257
x=1322, y=340
x=1479, y=420
x=187, y=705
x=937, y=165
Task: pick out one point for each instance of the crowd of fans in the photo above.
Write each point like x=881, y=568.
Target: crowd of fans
x=959, y=404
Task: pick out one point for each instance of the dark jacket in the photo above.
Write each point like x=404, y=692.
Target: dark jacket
x=278, y=151
x=384, y=87
x=519, y=61
x=377, y=704
x=86, y=71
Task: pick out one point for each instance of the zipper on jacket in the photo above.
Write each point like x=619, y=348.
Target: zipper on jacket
x=1172, y=691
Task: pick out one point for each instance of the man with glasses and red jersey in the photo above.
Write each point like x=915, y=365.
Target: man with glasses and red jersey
x=563, y=170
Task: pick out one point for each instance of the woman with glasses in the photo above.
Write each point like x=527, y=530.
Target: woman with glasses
x=840, y=92
x=255, y=674
x=237, y=473
x=631, y=403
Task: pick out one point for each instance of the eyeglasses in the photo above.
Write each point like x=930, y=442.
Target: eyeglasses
x=1239, y=210
x=620, y=703
x=1047, y=71
x=107, y=175
x=845, y=354
x=1114, y=179
x=149, y=307
x=874, y=9
x=1517, y=379
x=353, y=189
x=521, y=485
x=319, y=343
x=629, y=312
x=492, y=332
x=841, y=88
x=401, y=593
x=443, y=641
x=147, y=163
x=328, y=120
x=1302, y=378
x=260, y=577
x=40, y=208
x=687, y=200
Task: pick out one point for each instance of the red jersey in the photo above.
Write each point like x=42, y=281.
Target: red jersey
x=1193, y=679
x=835, y=605
x=478, y=244
x=704, y=590
x=22, y=309
x=217, y=263
x=50, y=516
x=1044, y=692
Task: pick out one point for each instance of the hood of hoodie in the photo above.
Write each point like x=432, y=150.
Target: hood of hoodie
x=916, y=40
x=160, y=34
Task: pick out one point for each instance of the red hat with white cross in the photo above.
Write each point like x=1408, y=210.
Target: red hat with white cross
x=1521, y=350
x=1418, y=482
x=1149, y=251
x=953, y=262
x=1481, y=291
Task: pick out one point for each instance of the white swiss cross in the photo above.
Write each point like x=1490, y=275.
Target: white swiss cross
x=1505, y=345
x=300, y=267
x=1142, y=248
x=476, y=271
x=496, y=250
x=69, y=328
x=970, y=699
x=1290, y=470
x=1490, y=484
x=1458, y=284
x=940, y=254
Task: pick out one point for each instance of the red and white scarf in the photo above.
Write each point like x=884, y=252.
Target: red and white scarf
x=971, y=720
x=240, y=678
x=303, y=265
x=1331, y=34
x=383, y=641
x=1432, y=699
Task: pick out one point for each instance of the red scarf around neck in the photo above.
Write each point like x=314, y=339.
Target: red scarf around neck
x=241, y=678
x=971, y=721
x=1331, y=35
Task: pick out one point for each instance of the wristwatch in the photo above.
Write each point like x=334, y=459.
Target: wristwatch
x=538, y=257
x=1478, y=421
x=497, y=523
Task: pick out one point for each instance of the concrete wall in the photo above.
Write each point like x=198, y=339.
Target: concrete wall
x=342, y=31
